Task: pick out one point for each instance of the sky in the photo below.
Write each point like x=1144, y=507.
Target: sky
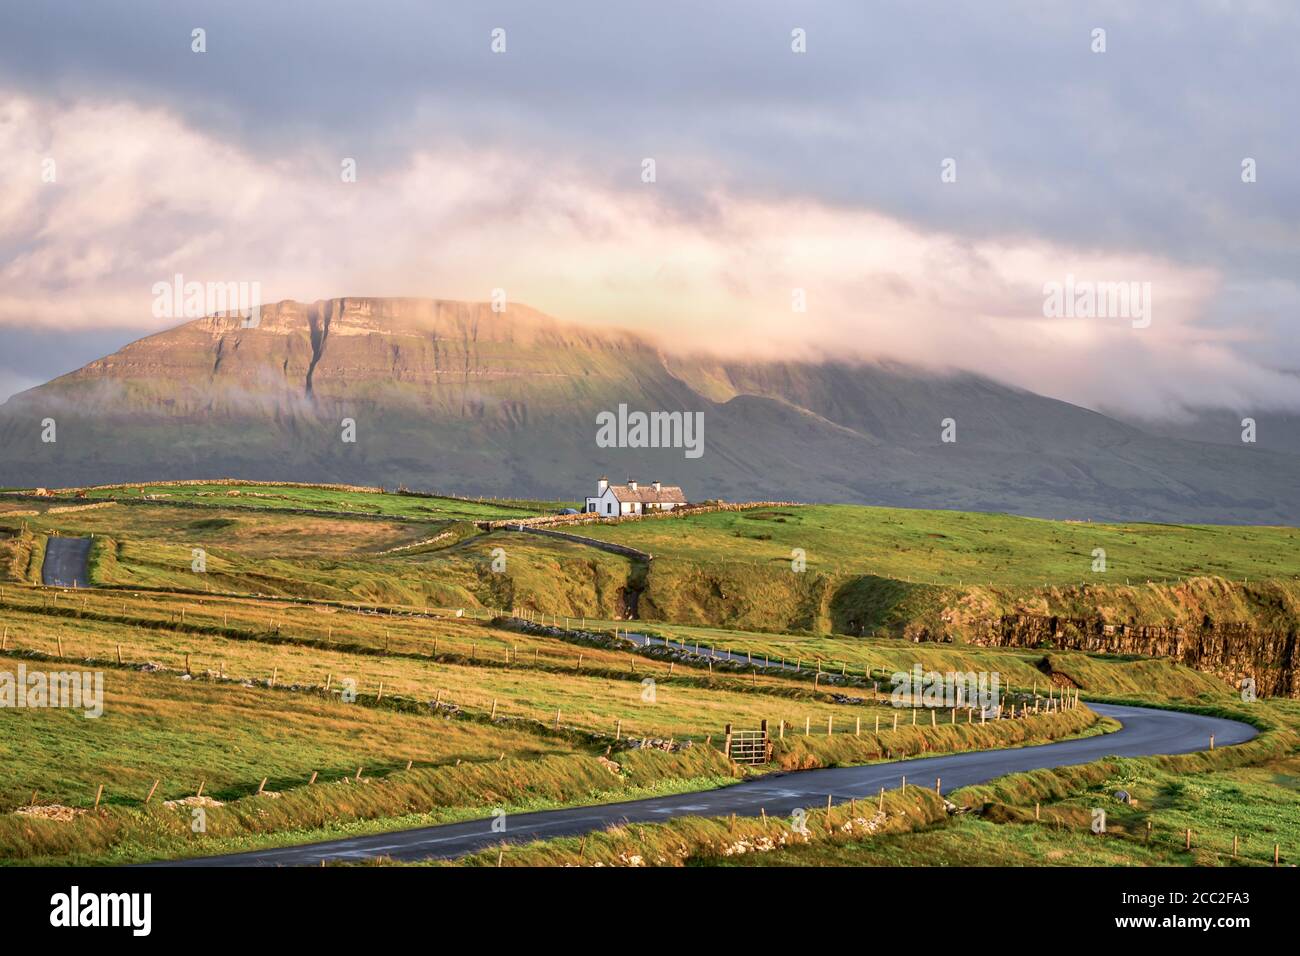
x=906, y=187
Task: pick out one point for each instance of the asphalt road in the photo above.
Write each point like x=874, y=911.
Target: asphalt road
x=1146, y=732
x=65, y=562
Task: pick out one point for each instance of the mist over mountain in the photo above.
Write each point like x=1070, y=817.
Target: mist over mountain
x=454, y=397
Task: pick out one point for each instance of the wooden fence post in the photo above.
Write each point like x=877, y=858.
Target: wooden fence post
x=151, y=792
x=98, y=795
x=618, y=730
x=726, y=745
x=493, y=715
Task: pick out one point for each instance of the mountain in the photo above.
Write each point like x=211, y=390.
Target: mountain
x=455, y=397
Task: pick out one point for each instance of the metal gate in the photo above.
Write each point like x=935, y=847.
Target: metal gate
x=748, y=746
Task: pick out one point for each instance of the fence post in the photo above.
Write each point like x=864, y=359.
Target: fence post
x=151, y=792
x=726, y=745
x=857, y=728
x=807, y=726
x=830, y=726
x=618, y=730
x=494, y=709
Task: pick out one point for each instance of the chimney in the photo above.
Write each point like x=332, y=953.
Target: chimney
x=659, y=486
x=631, y=483
x=601, y=484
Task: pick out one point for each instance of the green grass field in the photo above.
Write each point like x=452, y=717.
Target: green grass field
x=304, y=600
x=306, y=497
x=961, y=548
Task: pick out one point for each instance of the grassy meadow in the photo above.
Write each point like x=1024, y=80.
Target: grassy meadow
x=303, y=591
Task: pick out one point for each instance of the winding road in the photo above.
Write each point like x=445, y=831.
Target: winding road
x=65, y=562
x=1145, y=732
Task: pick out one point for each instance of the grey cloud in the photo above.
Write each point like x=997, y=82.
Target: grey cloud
x=1136, y=150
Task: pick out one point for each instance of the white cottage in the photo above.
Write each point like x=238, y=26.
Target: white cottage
x=632, y=499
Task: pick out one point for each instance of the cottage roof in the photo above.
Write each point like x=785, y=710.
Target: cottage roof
x=646, y=494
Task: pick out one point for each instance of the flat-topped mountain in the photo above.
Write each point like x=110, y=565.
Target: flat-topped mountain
x=456, y=397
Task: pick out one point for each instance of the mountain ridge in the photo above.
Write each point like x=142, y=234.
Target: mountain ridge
x=456, y=396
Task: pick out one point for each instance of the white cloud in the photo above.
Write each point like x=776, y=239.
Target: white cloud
x=141, y=195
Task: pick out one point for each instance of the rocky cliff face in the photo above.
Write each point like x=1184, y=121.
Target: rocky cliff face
x=1231, y=629
x=453, y=396
x=1232, y=651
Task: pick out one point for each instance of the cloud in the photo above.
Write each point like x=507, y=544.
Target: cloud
x=141, y=195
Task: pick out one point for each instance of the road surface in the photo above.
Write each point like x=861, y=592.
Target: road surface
x=65, y=562
x=1145, y=732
